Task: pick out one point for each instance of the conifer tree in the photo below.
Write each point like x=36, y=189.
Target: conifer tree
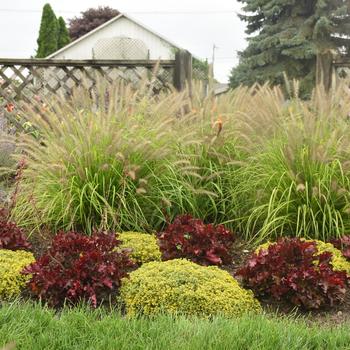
x=63, y=36
x=48, y=33
x=290, y=36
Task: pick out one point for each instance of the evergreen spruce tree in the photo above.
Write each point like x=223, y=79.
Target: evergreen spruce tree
x=290, y=36
x=48, y=33
x=63, y=36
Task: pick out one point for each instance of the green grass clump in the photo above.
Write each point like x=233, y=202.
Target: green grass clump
x=297, y=196
x=144, y=247
x=180, y=286
x=262, y=163
x=31, y=326
x=295, y=179
x=11, y=265
x=104, y=164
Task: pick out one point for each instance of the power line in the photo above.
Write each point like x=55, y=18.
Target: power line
x=184, y=12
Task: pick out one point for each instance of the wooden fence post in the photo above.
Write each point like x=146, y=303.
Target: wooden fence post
x=324, y=65
x=183, y=70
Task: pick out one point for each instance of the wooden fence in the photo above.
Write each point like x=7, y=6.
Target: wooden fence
x=23, y=79
x=341, y=69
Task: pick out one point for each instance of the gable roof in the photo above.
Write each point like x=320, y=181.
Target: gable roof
x=114, y=19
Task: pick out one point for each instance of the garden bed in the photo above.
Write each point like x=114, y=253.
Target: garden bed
x=147, y=206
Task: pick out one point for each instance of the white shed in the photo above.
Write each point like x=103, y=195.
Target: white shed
x=120, y=38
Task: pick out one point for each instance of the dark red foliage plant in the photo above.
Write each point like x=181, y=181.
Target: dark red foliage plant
x=11, y=236
x=191, y=238
x=79, y=268
x=89, y=20
x=290, y=270
x=343, y=244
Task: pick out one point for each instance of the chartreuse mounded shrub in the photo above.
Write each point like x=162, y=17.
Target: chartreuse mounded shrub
x=295, y=271
x=338, y=261
x=11, y=265
x=181, y=286
x=144, y=247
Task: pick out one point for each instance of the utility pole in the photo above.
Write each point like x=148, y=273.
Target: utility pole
x=213, y=58
x=211, y=70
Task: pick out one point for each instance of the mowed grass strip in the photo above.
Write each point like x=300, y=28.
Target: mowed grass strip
x=33, y=327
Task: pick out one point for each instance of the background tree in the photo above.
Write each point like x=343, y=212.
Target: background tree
x=47, y=40
x=63, y=36
x=287, y=36
x=89, y=20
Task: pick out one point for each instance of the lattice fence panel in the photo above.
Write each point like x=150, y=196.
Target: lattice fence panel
x=200, y=74
x=120, y=48
x=22, y=80
x=341, y=70
x=343, y=73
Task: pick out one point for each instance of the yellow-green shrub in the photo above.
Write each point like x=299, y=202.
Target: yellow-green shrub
x=338, y=261
x=144, y=246
x=11, y=265
x=181, y=286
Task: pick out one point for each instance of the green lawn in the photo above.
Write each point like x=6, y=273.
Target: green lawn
x=33, y=327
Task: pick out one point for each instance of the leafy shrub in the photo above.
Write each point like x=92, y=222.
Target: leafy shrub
x=338, y=262
x=11, y=265
x=190, y=238
x=144, y=247
x=11, y=236
x=292, y=270
x=77, y=267
x=180, y=286
x=343, y=244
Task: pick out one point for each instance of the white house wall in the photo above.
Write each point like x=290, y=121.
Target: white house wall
x=123, y=27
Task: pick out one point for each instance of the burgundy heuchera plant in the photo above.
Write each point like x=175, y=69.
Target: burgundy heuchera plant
x=11, y=236
x=78, y=267
x=190, y=238
x=343, y=244
x=292, y=270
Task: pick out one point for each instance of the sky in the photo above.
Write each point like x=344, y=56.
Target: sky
x=196, y=25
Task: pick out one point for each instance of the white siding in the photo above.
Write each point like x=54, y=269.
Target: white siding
x=122, y=27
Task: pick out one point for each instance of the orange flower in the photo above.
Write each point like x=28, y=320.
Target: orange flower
x=219, y=123
x=10, y=107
